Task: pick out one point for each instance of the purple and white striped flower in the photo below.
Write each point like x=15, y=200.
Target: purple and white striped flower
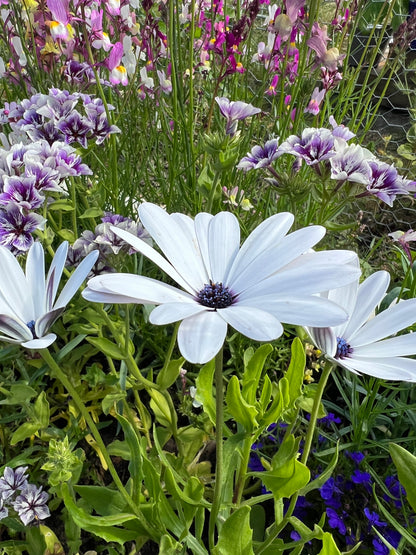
x=386, y=183
x=351, y=163
x=260, y=157
x=31, y=504
x=12, y=481
x=21, y=191
x=234, y=111
x=16, y=228
x=314, y=146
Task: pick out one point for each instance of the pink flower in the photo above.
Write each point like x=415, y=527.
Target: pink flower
x=315, y=101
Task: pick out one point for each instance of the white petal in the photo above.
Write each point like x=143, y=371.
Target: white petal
x=173, y=312
x=141, y=289
x=76, y=279
x=252, y=322
x=345, y=296
x=16, y=298
x=40, y=343
x=395, y=368
x=388, y=322
x=200, y=337
x=370, y=294
x=274, y=259
x=402, y=345
x=202, y=221
x=302, y=280
x=15, y=328
x=35, y=276
x=45, y=322
x=301, y=311
x=181, y=250
x=55, y=274
x=265, y=236
x=150, y=253
x=223, y=244
x=324, y=339
x=106, y=297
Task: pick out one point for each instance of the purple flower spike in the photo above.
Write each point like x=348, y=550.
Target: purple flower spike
x=31, y=504
x=234, y=111
x=260, y=157
x=16, y=228
x=12, y=480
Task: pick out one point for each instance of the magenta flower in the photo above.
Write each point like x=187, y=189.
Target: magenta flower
x=315, y=101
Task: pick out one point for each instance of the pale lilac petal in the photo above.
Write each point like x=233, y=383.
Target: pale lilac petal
x=142, y=289
x=41, y=343
x=264, y=237
x=35, y=276
x=402, y=345
x=150, y=253
x=395, y=368
x=223, y=244
x=76, y=279
x=168, y=234
x=45, y=322
x=370, y=294
x=252, y=322
x=388, y=322
x=201, y=337
x=173, y=312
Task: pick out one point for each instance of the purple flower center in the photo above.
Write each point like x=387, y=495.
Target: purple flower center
x=31, y=326
x=343, y=348
x=215, y=295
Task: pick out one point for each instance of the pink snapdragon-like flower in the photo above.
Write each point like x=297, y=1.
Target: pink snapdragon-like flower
x=315, y=101
x=118, y=73
x=60, y=27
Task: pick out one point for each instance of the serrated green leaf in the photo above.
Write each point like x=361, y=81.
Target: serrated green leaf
x=242, y=412
x=236, y=534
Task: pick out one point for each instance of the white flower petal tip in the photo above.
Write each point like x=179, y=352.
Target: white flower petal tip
x=27, y=299
x=222, y=284
x=364, y=345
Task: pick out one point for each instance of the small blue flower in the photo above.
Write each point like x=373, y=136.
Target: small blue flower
x=336, y=521
x=355, y=456
x=374, y=518
x=359, y=477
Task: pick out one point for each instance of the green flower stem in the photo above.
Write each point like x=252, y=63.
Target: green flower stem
x=275, y=530
x=58, y=373
x=241, y=480
x=219, y=422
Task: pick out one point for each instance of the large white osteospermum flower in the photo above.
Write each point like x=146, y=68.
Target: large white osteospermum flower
x=363, y=344
x=253, y=288
x=27, y=300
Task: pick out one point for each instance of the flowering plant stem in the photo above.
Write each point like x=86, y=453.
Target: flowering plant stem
x=275, y=530
x=219, y=422
x=58, y=373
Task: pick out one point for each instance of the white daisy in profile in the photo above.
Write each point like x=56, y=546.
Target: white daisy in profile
x=364, y=344
x=27, y=300
x=271, y=279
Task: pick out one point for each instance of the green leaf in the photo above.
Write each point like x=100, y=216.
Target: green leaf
x=169, y=546
x=67, y=235
x=24, y=431
x=252, y=372
x=64, y=205
x=42, y=411
x=103, y=500
x=107, y=347
x=111, y=400
x=167, y=376
x=329, y=547
x=135, y=466
x=93, y=212
x=19, y=394
x=204, y=386
x=405, y=463
x=235, y=537
x=296, y=371
x=161, y=409
x=242, y=412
